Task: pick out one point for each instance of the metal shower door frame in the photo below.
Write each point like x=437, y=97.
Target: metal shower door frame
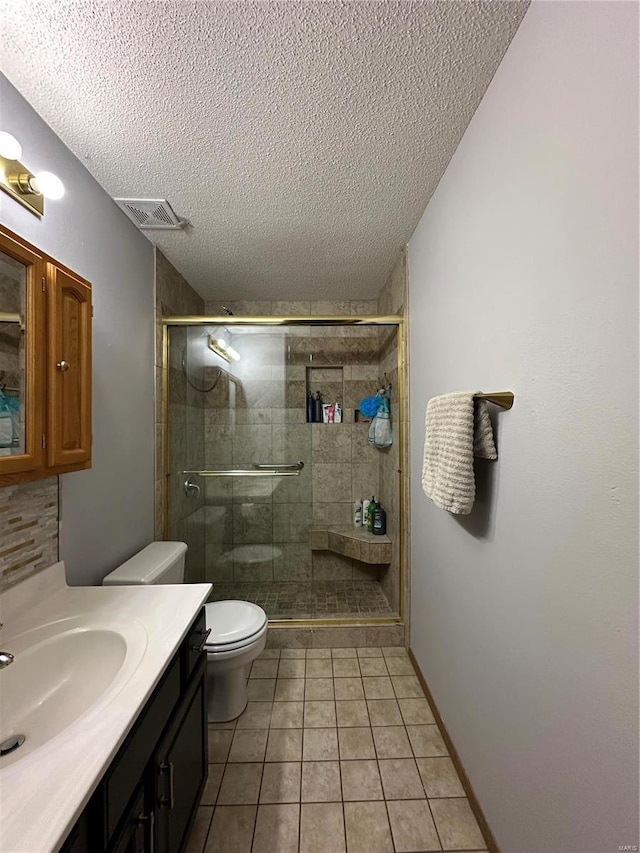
x=305, y=320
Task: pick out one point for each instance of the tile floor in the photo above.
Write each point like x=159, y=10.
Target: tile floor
x=309, y=599
x=336, y=752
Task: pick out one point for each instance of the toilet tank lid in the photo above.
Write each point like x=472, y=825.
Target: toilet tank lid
x=147, y=565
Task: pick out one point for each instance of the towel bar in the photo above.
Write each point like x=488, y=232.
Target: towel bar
x=277, y=466
x=504, y=399
x=244, y=472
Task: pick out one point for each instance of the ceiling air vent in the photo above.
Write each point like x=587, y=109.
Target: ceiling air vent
x=150, y=213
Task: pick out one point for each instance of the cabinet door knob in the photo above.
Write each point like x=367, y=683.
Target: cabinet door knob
x=63, y=366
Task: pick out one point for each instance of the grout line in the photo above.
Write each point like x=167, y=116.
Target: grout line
x=255, y=822
x=386, y=808
x=435, y=825
x=344, y=813
x=206, y=835
x=301, y=770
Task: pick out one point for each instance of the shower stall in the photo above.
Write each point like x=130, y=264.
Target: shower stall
x=265, y=499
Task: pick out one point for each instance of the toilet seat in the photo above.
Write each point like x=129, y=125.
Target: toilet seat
x=234, y=625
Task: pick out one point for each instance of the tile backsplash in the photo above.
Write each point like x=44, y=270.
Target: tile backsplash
x=28, y=529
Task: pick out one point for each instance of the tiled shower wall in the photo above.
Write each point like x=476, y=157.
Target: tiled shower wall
x=266, y=527
x=174, y=296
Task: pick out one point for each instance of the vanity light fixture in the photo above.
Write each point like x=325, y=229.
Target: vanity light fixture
x=20, y=182
x=223, y=349
x=9, y=146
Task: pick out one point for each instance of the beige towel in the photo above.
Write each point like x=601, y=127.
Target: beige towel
x=457, y=428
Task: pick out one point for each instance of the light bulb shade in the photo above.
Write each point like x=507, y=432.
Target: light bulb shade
x=10, y=148
x=48, y=184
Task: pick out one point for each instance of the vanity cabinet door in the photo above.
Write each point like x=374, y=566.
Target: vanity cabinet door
x=69, y=369
x=79, y=840
x=181, y=767
x=138, y=833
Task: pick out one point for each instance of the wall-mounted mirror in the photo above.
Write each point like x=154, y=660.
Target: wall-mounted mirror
x=22, y=357
x=13, y=287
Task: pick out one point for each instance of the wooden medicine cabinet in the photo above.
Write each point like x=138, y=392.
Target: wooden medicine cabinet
x=45, y=364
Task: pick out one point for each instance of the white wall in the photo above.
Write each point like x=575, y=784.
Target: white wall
x=106, y=512
x=524, y=276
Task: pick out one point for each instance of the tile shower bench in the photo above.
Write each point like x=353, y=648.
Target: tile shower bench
x=352, y=542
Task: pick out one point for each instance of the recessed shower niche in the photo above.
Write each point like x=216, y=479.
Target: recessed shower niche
x=328, y=382
x=265, y=499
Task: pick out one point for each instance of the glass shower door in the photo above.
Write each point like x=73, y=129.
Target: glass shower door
x=241, y=431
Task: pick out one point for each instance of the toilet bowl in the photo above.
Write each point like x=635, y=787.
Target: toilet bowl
x=238, y=629
x=238, y=635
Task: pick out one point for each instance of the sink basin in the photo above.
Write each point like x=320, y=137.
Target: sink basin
x=61, y=671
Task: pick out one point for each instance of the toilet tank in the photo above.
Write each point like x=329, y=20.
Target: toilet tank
x=158, y=563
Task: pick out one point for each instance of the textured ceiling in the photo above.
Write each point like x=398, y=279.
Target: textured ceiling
x=302, y=140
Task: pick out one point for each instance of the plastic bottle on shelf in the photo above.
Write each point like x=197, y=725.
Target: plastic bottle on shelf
x=365, y=512
x=370, y=511
x=379, y=521
x=357, y=514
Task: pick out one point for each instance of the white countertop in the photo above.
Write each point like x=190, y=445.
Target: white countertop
x=43, y=794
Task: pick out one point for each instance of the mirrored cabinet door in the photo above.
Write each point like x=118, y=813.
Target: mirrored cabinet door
x=21, y=357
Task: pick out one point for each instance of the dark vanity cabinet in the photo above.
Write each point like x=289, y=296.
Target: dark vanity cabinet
x=148, y=797
x=181, y=769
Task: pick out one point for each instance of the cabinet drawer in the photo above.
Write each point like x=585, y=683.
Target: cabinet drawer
x=128, y=768
x=191, y=646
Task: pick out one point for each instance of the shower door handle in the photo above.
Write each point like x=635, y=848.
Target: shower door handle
x=292, y=466
x=191, y=489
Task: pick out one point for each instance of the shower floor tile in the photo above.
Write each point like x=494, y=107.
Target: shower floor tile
x=309, y=599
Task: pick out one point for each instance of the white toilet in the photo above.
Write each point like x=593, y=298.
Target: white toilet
x=238, y=628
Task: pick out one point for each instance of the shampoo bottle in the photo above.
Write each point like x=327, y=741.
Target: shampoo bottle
x=357, y=514
x=379, y=521
x=310, y=407
x=371, y=509
x=365, y=512
x=317, y=408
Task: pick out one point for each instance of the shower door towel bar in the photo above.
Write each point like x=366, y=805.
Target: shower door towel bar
x=284, y=466
x=292, y=470
x=504, y=399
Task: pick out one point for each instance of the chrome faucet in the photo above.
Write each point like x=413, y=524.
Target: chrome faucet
x=5, y=657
